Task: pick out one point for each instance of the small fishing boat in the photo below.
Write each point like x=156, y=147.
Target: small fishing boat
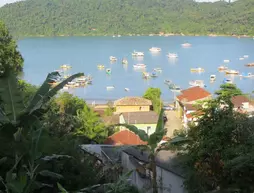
x=127, y=89
x=65, y=88
x=71, y=83
x=124, y=61
x=157, y=69
x=247, y=75
x=250, y=65
x=138, y=54
x=226, y=61
x=100, y=66
x=119, y=36
x=65, y=66
x=186, y=45
x=108, y=71
x=112, y=58
x=139, y=66
x=172, y=55
x=232, y=72
x=146, y=75
x=168, y=82
x=241, y=58
x=227, y=81
x=155, y=49
x=245, y=56
x=199, y=69
x=212, y=77
x=110, y=87
x=154, y=75
x=199, y=83
x=222, y=68
x=174, y=88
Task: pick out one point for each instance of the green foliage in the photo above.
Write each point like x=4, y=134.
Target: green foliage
x=11, y=62
x=154, y=94
x=228, y=90
x=28, y=91
x=95, y=17
x=219, y=150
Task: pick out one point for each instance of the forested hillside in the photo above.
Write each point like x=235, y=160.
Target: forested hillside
x=107, y=17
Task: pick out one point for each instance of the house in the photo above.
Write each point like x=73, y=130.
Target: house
x=146, y=121
x=185, y=102
x=124, y=137
x=132, y=104
x=170, y=175
x=242, y=103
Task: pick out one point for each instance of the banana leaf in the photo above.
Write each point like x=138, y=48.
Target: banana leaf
x=11, y=99
x=45, y=92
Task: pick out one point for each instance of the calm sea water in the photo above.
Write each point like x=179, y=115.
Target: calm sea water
x=43, y=55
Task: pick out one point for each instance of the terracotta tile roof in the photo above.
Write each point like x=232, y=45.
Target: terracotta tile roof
x=190, y=107
x=124, y=137
x=132, y=101
x=193, y=94
x=149, y=117
x=239, y=100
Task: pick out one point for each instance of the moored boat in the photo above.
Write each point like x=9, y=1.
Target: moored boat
x=226, y=61
x=232, y=72
x=110, y=87
x=146, y=75
x=108, y=71
x=155, y=49
x=139, y=66
x=138, y=54
x=199, y=69
x=154, y=75
x=174, y=88
x=247, y=75
x=127, y=89
x=212, y=77
x=250, y=65
x=157, y=69
x=241, y=58
x=100, y=66
x=172, y=55
x=245, y=56
x=124, y=61
x=227, y=81
x=65, y=66
x=112, y=58
x=186, y=45
x=222, y=68
x=168, y=82
x=199, y=83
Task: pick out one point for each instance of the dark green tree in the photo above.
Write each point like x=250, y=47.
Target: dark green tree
x=154, y=94
x=228, y=90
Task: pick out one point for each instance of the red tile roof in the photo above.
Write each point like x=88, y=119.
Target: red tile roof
x=239, y=100
x=193, y=94
x=124, y=137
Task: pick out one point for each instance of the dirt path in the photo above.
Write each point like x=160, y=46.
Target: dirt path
x=173, y=122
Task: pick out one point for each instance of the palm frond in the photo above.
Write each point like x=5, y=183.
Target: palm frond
x=141, y=133
x=45, y=92
x=11, y=99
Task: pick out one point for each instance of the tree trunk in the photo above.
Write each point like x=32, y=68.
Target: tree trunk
x=154, y=177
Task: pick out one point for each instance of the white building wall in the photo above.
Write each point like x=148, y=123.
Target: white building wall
x=171, y=182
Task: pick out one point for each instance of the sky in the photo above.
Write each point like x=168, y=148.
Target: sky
x=3, y=2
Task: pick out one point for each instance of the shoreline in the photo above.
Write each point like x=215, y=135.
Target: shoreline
x=135, y=35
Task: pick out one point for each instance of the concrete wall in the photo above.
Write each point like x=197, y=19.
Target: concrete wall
x=123, y=109
x=171, y=182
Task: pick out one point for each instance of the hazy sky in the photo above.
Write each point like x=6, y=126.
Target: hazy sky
x=2, y=2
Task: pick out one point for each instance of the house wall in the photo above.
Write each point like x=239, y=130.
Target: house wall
x=171, y=182
x=123, y=109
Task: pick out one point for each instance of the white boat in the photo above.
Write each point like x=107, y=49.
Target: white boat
x=65, y=88
x=241, y=58
x=199, y=69
x=232, y=72
x=248, y=75
x=226, y=61
x=65, y=66
x=146, y=75
x=186, y=45
x=112, y=58
x=246, y=56
x=212, y=77
x=110, y=87
x=127, y=89
x=138, y=54
x=227, y=81
x=172, y=55
x=71, y=83
x=108, y=71
x=124, y=61
x=168, y=82
x=157, y=69
x=119, y=36
x=138, y=66
x=199, y=83
x=174, y=88
x=222, y=68
x=155, y=49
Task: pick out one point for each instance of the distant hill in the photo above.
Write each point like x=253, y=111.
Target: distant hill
x=101, y=17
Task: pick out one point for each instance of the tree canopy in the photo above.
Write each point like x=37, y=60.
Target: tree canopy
x=107, y=17
x=154, y=94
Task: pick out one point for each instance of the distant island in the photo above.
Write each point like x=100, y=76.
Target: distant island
x=125, y=17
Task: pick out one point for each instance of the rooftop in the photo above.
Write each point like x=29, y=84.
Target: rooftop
x=149, y=117
x=193, y=94
x=239, y=100
x=132, y=101
x=111, y=120
x=190, y=107
x=124, y=137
